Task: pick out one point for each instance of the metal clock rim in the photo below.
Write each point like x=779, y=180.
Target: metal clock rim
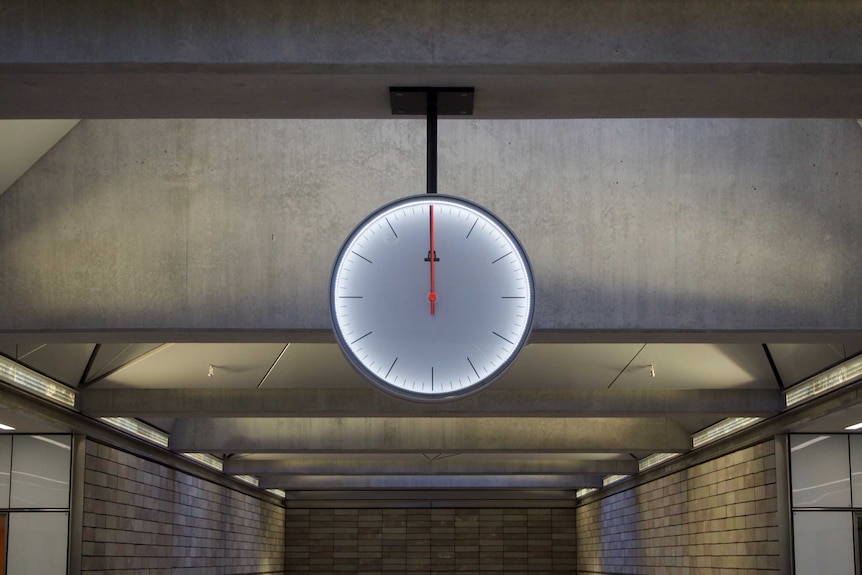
x=396, y=391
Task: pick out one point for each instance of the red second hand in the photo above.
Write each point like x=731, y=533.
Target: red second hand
x=432, y=297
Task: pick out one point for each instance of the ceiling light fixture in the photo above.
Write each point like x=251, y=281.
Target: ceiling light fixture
x=250, y=479
x=722, y=429
x=206, y=459
x=654, y=459
x=854, y=427
x=5, y=427
x=138, y=429
x=16, y=374
x=842, y=374
x=608, y=480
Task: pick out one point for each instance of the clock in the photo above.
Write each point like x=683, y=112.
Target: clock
x=432, y=297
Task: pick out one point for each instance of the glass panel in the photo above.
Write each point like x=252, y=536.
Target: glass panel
x=823, y=542
x=38, y=543
x=5, y=469
x=856, y=469
x=41, y=467
x=820, y=470
x=2, y=543
x=858, y=519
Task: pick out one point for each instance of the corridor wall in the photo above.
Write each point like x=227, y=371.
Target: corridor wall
x=142, y=516
x=713, y=518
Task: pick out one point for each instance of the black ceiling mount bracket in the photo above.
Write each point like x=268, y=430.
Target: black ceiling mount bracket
x=413, y=101
x=431, y=103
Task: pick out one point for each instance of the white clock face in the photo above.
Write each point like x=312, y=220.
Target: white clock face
x=424, y=327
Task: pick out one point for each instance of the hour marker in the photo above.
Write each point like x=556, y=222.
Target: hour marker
x=510, y=297
x=391, y=228
x=350, y=297
x=390, y=368
x=495, y=333
x=368, y=260
x=471, y=228
x=369, y=333
x=474, y=367
x=493, y=262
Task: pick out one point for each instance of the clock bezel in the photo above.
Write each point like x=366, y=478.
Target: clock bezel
x=393, y=389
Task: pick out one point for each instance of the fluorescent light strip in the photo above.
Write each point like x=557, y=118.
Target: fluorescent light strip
x=613, y=479
x=854, y=427
x=722, y=429
x=278, y=492
x=654, y=459
x=16, y=374
x=5, y=427
x=138, y=429
x=250, y=479
x=206, y=459
x=839, y=375
x=584, y=492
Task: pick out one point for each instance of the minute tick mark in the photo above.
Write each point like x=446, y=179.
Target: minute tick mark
x=471, y=228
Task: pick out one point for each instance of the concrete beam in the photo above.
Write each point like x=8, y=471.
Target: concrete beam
x=388, y=464
x=428, y=435
x=269, y=335
x=291, y=482
x=371, y=403
x=317, y=59
x=444, y=498
x=699, y=228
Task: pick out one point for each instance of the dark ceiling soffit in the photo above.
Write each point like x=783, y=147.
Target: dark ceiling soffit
x=519, y=91
x=217, y=335
x=372, y=403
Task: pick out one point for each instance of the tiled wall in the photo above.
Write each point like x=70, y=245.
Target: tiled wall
x=430, y=540
x=142, y=517
x=717, y=518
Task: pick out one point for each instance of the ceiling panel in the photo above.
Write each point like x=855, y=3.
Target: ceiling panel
x=698, y=366
x=314, y=365
x=186, y=365
x=114, y=355
x=799, y=361
x=64, y=362
x=568, y=366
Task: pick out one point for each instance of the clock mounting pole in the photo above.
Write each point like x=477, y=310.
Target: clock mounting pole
x=431, y=103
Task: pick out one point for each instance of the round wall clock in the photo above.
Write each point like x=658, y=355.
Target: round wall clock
x=432, y=297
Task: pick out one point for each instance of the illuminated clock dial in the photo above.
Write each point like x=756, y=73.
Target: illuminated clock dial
x=432, y=297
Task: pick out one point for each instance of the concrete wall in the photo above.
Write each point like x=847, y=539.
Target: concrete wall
x=430, y=540
x=143, y=517
x=715, y=518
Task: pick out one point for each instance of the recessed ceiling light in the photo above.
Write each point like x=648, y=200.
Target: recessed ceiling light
x=4, y=427
x=854, y=427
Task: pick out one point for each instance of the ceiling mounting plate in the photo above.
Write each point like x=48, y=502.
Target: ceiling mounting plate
x=413, y=101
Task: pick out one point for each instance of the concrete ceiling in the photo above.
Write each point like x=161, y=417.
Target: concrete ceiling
x=724, y=262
